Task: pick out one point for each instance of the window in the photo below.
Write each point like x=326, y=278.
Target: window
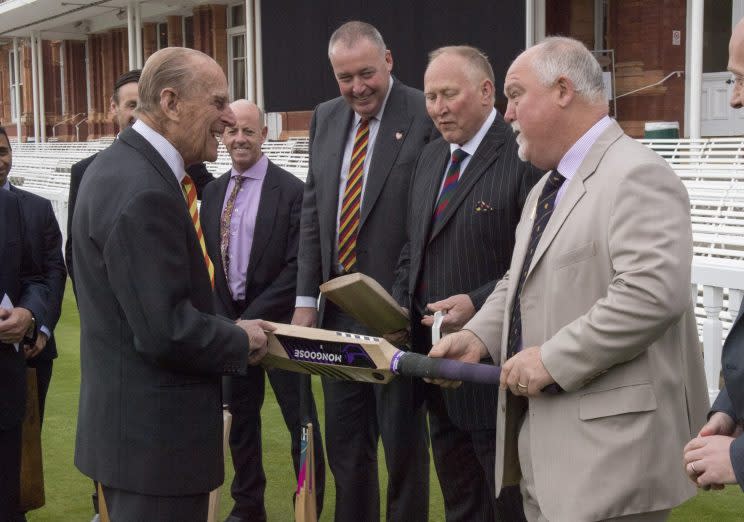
x=237, y=15
x=188, y=32
x=236, y=73
x=162, y=36
x=16, y=84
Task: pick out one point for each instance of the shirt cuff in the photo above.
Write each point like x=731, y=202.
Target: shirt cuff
x=305, y=301
x=45, y=331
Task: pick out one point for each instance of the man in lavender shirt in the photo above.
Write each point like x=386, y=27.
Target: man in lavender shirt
x=251, y=218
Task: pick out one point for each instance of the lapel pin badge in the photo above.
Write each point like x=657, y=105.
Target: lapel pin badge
x=398, y=135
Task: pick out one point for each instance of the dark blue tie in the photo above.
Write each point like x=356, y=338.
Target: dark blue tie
x=544, y=210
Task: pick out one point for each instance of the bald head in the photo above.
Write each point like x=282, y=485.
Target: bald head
x=736, y=64
x=243, y=141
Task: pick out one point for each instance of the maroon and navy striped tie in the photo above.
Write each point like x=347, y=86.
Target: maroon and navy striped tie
x=450, y=183
x=348, y=224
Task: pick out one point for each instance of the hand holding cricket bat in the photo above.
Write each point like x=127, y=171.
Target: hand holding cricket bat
x=364, y=358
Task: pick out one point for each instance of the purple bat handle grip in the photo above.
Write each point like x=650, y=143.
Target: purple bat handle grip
x=417, y=365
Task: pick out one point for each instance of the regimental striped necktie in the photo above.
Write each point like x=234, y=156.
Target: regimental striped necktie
x=189, y=192
x=543, y=211
x=348, y=224
x=450, y=183
x=225, y=221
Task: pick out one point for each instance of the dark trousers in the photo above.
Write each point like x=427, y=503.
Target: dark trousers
x=10, y=473
x=465, y=463
x=246, y=396
x=128, y=506
x=357, y=415
x=43, y=378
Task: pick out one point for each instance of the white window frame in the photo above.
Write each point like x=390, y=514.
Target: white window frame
x=232, y=33
x=13, y=86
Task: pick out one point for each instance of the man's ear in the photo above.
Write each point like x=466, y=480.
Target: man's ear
x=566, y=91
x=170, y=103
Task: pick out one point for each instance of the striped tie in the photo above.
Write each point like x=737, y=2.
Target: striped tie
x=189, y=192
x=543, y=211
x=450, y=183
x=348, y=226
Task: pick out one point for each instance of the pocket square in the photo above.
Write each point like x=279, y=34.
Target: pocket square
x=482, y=206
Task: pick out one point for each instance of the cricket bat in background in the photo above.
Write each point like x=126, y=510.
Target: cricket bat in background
x=305, y=503
x=365, y=358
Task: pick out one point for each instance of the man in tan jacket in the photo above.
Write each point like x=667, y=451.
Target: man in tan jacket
x=596, y=304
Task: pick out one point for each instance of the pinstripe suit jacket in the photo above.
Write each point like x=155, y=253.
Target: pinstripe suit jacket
x=471, y=245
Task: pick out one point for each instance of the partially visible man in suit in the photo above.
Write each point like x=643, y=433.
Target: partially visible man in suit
x=251, y=222
x=122, y=106
x=152, y=350
x=23, y=295
x=363, y=145
x=597, y=303
x=42, y=231
x=467, y=194
x=716, y=456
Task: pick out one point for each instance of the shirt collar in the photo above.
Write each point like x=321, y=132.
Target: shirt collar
x=6, y=186
x=164, y=147
x=377, y=116
x=472, y=144
x=571, y=161
x=256, y=171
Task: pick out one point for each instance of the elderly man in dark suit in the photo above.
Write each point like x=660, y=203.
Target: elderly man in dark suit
x=42, y=231
x=716, y=456
x=467, y=192
x=251, y=222
x=122, y=106
x=23, y=295
x=152, y=350
x=362, y=148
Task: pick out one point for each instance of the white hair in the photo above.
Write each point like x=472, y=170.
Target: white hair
x=558, y=56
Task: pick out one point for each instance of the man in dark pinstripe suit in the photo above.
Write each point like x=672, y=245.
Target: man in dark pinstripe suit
x=460, y=240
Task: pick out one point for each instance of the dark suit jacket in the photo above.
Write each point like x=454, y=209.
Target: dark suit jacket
x=731, y=398
x=21, y=280
x=46, y=248
x=405, y=128
x=272, y=267
x=471, y=245
x=198, y=173
x=151, y=350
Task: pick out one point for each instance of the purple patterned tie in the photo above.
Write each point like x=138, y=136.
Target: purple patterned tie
x=225, y=225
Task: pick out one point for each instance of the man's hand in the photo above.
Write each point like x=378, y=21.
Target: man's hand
x=258, y=346
x=708, y=461
x=459, y=310
x=14, y=324
x=720, y=423
x=525, y=373
x=305, y=316
x=30, y=351
x=398, y=338
x=462, y=346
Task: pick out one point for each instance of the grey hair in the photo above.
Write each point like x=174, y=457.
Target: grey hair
x=261, y=113
x=170, y=67
x=351, y=32
x=561, y=56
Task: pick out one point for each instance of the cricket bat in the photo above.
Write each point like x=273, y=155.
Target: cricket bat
x=365, y=358
x=305, y=510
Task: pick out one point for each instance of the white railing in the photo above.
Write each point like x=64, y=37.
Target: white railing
x=722, y=287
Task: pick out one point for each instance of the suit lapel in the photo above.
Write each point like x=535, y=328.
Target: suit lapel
x=391, y=135
x=575, y=190
x=265, y=216
x=134, y=139
x=485, y=155
x=329, y=170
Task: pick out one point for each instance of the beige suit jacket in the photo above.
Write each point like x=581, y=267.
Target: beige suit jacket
x=608, y=299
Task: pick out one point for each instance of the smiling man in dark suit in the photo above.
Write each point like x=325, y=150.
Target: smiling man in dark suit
x=468, y=191
x=152, y=352
x=362, y=148
x=21, y=281
x=251, y=222
x=45, y=238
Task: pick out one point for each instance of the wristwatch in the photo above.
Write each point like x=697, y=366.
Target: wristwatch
x=30, y=335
